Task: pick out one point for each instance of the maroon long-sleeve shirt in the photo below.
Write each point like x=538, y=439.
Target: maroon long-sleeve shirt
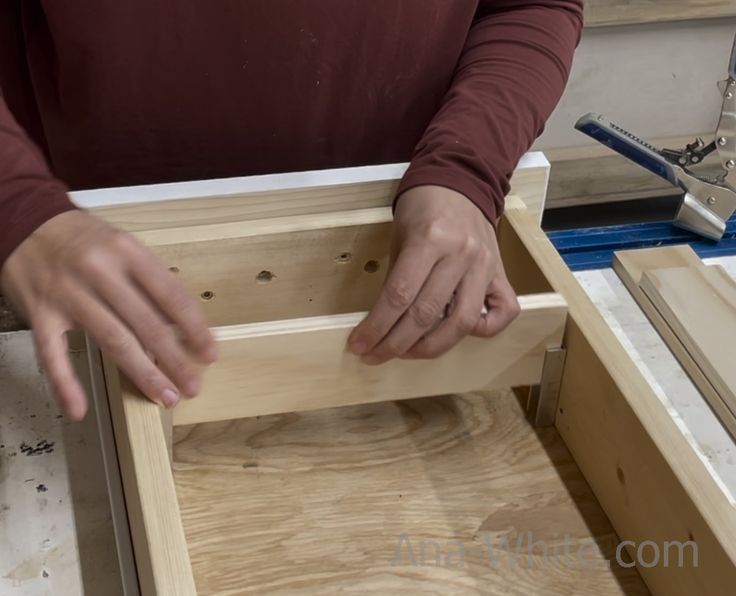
x=116, y=92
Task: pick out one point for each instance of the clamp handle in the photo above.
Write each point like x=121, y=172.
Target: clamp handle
x=630, y=146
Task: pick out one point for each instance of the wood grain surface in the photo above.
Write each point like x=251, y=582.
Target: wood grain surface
x=630, y=266
x=269, y=277
x=304, y=364
x=342, y=500
x=645, y=473
x=528, y=182
x=159, y=544
x=699, y=304
x=626, y=12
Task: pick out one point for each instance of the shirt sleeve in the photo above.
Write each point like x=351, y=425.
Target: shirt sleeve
x=29, y=194
x=510, y=76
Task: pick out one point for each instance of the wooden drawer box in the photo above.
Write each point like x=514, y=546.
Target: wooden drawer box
x=299, y=470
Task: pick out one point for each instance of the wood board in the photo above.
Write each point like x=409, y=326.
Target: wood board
x=159, y=544
x=318, y=502
x=699, y=305
x=630, y=266
x=261, y=272
x=629, y=12
x=162, y=206
x=304, y=364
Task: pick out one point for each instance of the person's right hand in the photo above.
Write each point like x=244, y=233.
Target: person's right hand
x=76, y=271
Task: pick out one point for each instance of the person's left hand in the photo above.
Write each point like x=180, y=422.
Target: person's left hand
x=445, y=268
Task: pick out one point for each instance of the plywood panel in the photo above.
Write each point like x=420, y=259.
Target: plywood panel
x=316, y=503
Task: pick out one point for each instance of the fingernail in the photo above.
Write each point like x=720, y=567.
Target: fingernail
x=358, y=347
x=371, y=359
x=210, y=354
x=169, y=398
x=191, y=387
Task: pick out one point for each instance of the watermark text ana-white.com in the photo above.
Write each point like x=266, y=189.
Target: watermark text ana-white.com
x=496, y=551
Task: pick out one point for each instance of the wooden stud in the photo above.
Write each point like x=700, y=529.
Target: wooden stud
x=160, y=548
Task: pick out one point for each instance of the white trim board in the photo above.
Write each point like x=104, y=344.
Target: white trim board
x=197, y=189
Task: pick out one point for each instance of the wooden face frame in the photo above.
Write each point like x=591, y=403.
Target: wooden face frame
x=641, y=468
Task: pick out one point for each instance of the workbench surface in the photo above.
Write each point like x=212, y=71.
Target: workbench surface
x=53, y=495
x=708, y=437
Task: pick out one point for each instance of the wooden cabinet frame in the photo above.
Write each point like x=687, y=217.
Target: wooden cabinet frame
x=648, y=479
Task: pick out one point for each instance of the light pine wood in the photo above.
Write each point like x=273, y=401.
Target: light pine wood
x=159, y=544
x=304, y=364
x=248, y=206
x=699, y=304
x=528, y=182
x=630, y=266
x=315, y=503
x=626, y=12
x=264, y=271
x=647, y=477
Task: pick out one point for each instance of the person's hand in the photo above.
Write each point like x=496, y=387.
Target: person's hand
x=446, y=281
x=76, y=271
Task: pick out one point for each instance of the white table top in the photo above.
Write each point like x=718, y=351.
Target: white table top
x=53, y=494
x=684, y=402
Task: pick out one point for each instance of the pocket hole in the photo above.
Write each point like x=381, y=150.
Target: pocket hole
x=371, y=266
x=207, y=295
x=264, y=277
x=620, y=474
x=345, y=257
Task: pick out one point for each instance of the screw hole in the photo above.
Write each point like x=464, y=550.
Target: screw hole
x=207, y=295
x=345, y=257
x=174, y=269
x=371, y=266
x=264, y=277
x=620, y=474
